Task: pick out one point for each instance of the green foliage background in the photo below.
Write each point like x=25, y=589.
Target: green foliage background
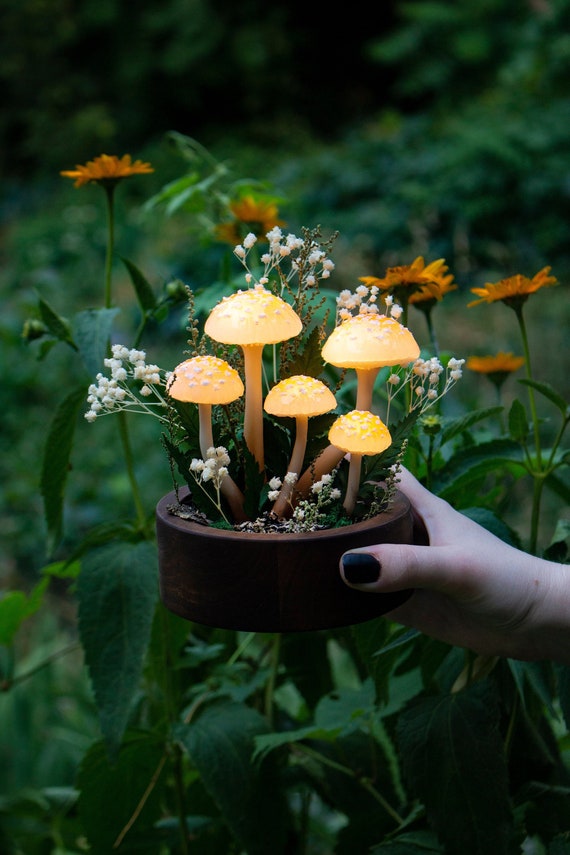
x=440, y=131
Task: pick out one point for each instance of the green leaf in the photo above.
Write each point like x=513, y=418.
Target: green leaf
x=518, y=422
x=471, y=464
x=220, y=742
x=92, y=330
x=16, y=606
x=143, y=288
x=111, y=793
x=489, y=520
x=563, y=677
x=56, y=462
x=409, y=843
x=453, y=760
x=309, y=361
x=58, y=326
x=118, y=591
x=548, y=392
x=455, y=427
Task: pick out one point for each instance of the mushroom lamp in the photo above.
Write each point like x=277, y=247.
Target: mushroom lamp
x=357, y=433
x=207, y=380
x=251, y=319
x=298, y=397
x=368, y=342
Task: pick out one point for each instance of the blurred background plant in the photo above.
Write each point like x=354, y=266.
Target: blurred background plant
x=446, y=139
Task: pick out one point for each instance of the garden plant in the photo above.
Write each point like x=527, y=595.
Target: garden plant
x=363, y=738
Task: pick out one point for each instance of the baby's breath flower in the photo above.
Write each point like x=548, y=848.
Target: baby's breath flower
x=291, y=478
x=275, y=483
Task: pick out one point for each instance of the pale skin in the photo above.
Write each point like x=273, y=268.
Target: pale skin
x=471, y=589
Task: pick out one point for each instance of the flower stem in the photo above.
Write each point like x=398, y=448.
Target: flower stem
x=110, y=196
x=129, y=464
x=536, y=472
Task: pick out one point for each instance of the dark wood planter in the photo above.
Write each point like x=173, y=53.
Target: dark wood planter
x=271, y=582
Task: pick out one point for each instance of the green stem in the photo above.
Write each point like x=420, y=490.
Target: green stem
x=129, y=464
x=274, y=667
x=345, y=770
x=531, y=399
x=536, y=472
x=110, y=195
x=19, y=678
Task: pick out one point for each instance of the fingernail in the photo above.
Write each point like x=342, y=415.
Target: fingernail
x=360, y=568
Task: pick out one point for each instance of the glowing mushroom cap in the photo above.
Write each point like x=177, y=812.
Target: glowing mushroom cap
x=299, y=396
x=253, y=316
x=369, y=341
x=205, y=380
x=360, y=432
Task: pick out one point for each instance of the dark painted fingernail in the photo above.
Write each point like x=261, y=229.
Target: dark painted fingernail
x=360, y=568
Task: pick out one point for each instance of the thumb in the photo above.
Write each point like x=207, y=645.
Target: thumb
x=396, y=567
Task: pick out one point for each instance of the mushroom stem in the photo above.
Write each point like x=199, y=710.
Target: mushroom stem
x=327, y=460
x=228, y=487
x=295, y=464
x=353, y=482
x=253, y=416
x=365, y=389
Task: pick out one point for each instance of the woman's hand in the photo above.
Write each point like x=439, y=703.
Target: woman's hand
x=470, y=588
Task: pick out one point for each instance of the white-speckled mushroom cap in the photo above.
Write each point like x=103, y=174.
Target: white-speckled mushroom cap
x=253, y=316
x=299, y=395
x=360, y=432
x=205, y=380
x=368, y=341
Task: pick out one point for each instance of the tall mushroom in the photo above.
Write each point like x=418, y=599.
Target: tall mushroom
x=368, y=342
x=358, y=432
x=208, y=380
x=299, y=397
x=251, y=319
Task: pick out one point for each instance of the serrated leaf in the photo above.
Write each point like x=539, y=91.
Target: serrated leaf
x=56, y=459
x=309, y=361
x=453, y=761
x=117, y=591
x=547, y=390
x=112, y=792
x=518, y=422
x=92, y=330
x=220, y=742
x=143, y=288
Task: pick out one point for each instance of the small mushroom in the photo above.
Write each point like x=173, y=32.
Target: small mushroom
x=251, y=319
x=368, y=342
x=299, y=397
x=357, y=433
x=208, y=380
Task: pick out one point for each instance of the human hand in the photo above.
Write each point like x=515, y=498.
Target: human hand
x=470, y=588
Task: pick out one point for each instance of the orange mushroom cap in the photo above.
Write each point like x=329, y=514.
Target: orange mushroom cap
x=205, y=380
x=299, y=395
x=360, y=432
x=253, y=316
x=369, y=341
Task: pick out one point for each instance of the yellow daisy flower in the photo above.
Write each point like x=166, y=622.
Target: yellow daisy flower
x=106, y=169
x=408, y=279
x=513, y=290
x=435, y=292
x=501, y=363
x=257, y=215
